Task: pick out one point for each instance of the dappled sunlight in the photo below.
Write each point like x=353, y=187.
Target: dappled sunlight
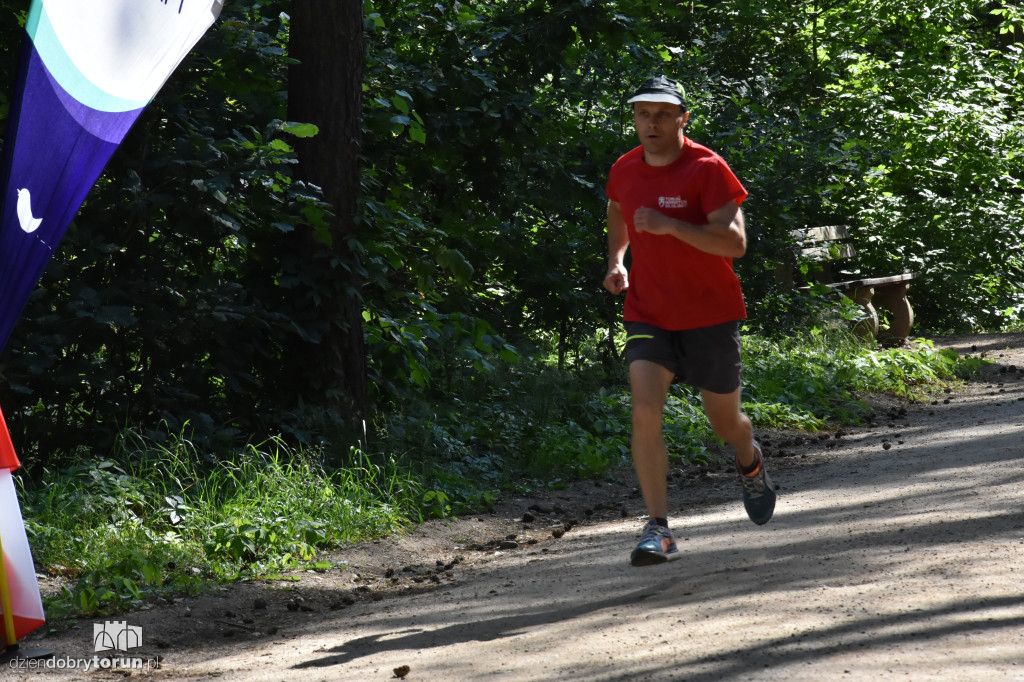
x=831, y=575
x=799, y=566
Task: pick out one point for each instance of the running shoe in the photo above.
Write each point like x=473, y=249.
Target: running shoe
x=656, y=547
x=758, y=491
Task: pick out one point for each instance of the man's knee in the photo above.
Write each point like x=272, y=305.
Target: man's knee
x=647, y=416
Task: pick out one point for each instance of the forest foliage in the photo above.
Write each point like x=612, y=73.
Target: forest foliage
x=488, y=131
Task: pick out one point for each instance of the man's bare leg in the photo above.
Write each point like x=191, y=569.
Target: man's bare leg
x=649, y=383
x=730, y=424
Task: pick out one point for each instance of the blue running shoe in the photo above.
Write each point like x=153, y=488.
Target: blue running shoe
x=656, y=547
x=758, y=491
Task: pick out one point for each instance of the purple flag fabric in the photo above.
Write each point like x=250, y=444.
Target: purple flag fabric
x=87, y=71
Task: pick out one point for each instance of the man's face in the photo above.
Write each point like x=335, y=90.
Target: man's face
x=659, y=125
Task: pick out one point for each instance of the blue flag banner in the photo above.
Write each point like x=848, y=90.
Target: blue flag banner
x=88, y=69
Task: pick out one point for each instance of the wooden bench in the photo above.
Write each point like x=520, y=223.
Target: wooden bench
x=827, y=248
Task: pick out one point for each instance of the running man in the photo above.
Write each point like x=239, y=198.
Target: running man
x=675, y=206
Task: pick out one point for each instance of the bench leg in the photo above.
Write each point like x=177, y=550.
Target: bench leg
x=894, y=299
x=862, y=296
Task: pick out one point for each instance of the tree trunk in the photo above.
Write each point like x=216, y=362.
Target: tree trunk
x=325, y=88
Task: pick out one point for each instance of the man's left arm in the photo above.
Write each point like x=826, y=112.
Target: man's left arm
x=723, y=235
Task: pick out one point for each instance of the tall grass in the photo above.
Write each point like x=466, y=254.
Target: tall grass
x=157, y=518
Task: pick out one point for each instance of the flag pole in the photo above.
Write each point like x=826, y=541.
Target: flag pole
x=10, y=638
x=5, y=601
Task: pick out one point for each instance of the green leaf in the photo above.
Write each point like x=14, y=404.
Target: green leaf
x=453, y=261
x=416, y=133
x=300, y=129
x=400, y=104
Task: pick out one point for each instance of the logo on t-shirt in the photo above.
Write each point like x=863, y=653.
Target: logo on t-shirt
x=671, y=202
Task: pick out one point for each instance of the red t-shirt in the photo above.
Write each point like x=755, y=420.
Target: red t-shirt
x=673, y=285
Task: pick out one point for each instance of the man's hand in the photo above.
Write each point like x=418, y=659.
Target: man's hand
x=653, y=222
x=723, y=234
x=617, y=279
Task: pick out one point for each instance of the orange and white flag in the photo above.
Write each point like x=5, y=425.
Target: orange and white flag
x=22, y=586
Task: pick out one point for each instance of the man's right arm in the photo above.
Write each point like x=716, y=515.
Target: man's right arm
x=616, y=279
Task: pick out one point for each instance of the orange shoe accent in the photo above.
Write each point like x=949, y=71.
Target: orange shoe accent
x=760, y=463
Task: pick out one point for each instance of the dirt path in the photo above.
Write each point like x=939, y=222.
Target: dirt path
x=895, y=552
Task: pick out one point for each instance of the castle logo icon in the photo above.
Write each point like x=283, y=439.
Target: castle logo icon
x=116, y=636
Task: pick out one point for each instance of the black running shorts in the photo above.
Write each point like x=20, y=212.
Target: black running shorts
x=708, y=358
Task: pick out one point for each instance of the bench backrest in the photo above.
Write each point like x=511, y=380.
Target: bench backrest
x=826, y=246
